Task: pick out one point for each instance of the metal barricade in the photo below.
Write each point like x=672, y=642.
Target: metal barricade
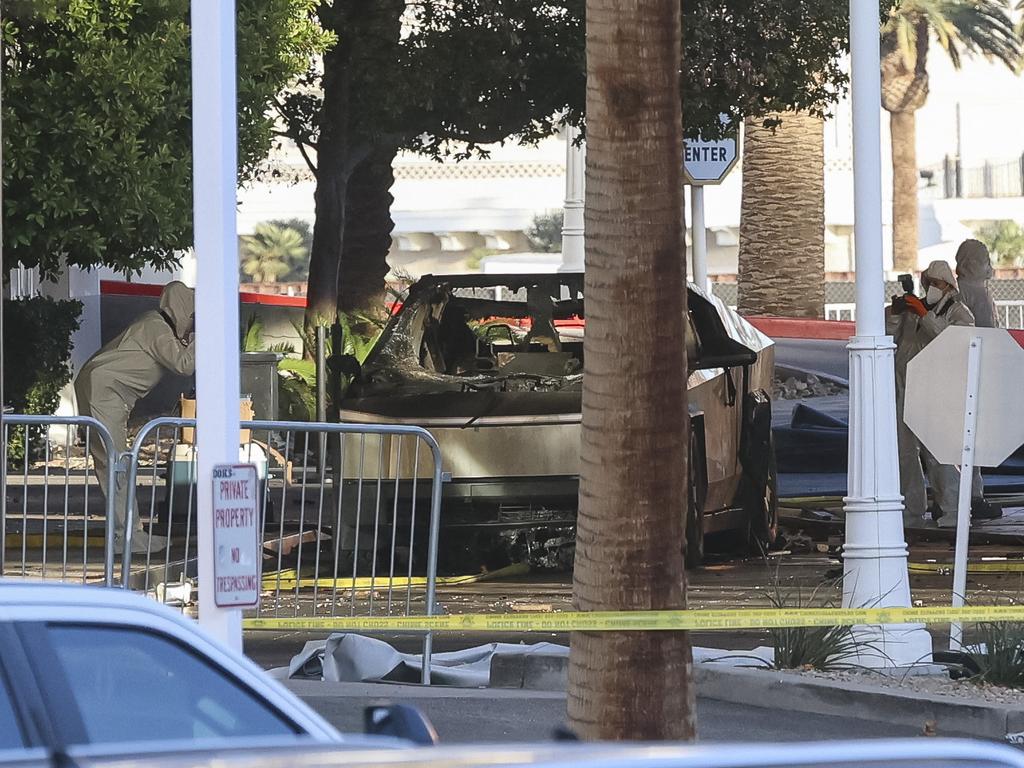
x=55, y=521
x=350, y=515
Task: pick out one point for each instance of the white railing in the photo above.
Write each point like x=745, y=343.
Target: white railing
x=841, y=311
x=1011, y=313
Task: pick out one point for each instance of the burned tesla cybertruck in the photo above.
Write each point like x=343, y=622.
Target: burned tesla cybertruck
x=492, y=366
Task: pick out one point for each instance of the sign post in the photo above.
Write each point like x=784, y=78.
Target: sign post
x=960, y=390
x=705, y=163
x=214, y=158
x=963, y=507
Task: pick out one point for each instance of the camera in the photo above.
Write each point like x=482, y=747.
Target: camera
x=899, y=303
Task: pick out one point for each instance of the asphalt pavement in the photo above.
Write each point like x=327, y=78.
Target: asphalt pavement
x=494, y=715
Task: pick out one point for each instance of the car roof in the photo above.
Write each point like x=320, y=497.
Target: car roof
x=881, y=753
x=46, y=601
x=19, y=592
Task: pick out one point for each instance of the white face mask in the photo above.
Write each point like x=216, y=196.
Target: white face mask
x=934, y=295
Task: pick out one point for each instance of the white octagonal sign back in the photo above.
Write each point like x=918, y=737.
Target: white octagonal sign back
x=937, y=390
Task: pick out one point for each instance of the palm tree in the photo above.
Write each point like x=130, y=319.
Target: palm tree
x=782, y=217
x=959, y=26
x=635, y=437
x=272, y=252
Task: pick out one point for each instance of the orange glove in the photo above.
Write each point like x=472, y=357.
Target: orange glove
x=916, y=306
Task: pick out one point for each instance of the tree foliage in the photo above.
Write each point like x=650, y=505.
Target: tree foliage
x=37, y=348
x=473, y=72
x=447, y=77
x=276, y=251
x=1004, y=240
x=753, y=59
x=545, y=232
x=97, y=123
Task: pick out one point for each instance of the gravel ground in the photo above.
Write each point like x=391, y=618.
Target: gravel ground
x=939, y=685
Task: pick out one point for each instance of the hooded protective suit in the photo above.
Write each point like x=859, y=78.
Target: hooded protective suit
x=127, y=369
x=973, y=271
x=913, y=333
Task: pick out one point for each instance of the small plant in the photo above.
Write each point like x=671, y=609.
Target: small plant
x=999, y=654
x=818, y=648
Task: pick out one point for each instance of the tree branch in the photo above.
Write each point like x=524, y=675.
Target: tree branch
x=305, y=155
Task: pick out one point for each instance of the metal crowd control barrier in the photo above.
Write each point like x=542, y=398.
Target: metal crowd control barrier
x=350, y=515
x=61, y=526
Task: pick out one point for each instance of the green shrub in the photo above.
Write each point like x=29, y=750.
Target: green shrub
x=999, y=654
x=818, y=648
x=37, y=353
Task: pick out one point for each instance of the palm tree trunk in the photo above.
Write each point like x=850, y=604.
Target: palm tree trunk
x=903, y=135
x=782, y=218
x=629, y=544
x=368, y=226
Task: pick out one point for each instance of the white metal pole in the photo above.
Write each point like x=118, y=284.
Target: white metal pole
x=963, y=511
x=214, y=157
x=874, y=553
x=698, y=237
x=572, y=216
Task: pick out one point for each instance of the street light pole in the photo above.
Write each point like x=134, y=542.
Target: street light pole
x=214, y=178
x=875, y=552
x=572, y=215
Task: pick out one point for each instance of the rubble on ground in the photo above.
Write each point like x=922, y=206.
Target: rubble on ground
x=793, y=388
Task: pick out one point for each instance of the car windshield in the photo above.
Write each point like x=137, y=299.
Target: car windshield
x=525, y=328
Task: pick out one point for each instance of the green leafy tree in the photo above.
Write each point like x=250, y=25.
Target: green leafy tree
x=960, y=27
x=272, y=253
x=546, y=232
x=1005, y=241
x=97, y=123
x=444, y=77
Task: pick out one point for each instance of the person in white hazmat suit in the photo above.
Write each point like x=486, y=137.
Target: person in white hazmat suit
x=114, y=379
x=973, y=271
x=914, y=324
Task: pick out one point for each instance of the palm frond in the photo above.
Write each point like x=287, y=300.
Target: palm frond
x=981, y=27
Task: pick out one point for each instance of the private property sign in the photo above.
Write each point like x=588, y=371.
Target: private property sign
x=236, y=561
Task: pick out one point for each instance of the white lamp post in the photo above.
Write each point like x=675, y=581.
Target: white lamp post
x=572, y=217
x=214, y=158
x=875, y=553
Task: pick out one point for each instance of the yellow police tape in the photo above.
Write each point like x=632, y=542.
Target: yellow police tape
x=37, y=540
x=289, y=580
x=993, y=566
x=647, y=621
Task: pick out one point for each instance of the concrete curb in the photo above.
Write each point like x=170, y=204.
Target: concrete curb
x=786, y=690
x=798, y=693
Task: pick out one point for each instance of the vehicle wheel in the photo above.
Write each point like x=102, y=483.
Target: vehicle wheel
x=694, y=552
x=761, y=503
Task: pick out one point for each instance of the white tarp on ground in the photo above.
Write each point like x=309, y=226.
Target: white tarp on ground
x=354, y=658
